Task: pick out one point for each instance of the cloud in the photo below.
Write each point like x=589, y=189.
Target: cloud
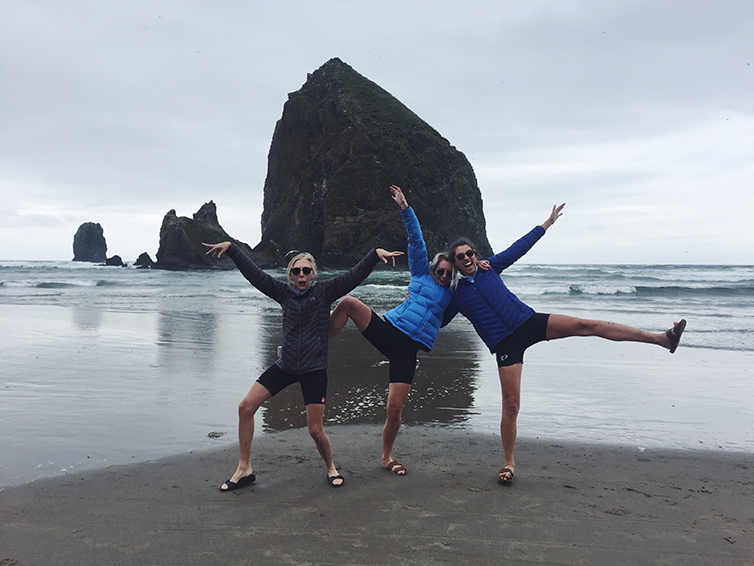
x=629, y=111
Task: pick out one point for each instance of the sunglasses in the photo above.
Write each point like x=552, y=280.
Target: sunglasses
x=297, y=270
x=469, y=253
x=441, y=272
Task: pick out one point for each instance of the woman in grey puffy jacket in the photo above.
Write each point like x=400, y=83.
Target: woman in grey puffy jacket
x=306, y=315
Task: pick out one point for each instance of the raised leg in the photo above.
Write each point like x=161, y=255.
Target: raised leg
x=348, y=307
x=562, y=326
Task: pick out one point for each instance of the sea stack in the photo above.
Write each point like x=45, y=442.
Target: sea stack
x=341, y=142
x=181, y=241
x=89, y=243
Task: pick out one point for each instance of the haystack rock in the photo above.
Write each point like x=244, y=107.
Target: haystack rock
x=341, y=142
x=181, y=241
x=89, y=243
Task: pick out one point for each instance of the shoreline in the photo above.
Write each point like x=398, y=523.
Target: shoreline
x=571, y=503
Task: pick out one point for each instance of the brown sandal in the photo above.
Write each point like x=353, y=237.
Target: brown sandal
x=505, y=476
x=397, y=468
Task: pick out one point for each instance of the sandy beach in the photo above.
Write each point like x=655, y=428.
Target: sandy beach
x=570, y=504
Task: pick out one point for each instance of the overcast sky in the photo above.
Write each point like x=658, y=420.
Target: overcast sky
x=638, y=115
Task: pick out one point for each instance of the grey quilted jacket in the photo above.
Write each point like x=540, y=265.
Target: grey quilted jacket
x=306, y=314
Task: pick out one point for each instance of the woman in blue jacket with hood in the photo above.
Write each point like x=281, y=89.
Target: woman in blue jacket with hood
x=411, y=326
x=508, y=326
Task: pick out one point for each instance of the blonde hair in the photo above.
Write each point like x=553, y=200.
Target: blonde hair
x=303, y=255
x=436, y=260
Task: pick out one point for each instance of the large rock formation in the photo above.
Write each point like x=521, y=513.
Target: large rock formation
x=89, y=243
x=181, y=241
x=341, y=142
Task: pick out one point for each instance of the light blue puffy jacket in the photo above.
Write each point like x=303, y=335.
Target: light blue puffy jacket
x=484, y=299
x=420, y=315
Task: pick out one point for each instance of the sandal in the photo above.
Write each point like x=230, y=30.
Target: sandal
x=244, y=481
x=332, y=479
x=505, y=476
x=674, y=334
x=396, y=467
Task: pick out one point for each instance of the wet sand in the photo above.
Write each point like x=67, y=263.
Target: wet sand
x=570, y=504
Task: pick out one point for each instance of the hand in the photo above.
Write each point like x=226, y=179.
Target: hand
x=554, y=215
x=385, y=255
x=483, y=264
x=398, y=197
x=217, y=250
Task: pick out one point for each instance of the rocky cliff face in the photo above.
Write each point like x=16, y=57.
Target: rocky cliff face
x=181, y=241
x=89, y=243
x=341, y=142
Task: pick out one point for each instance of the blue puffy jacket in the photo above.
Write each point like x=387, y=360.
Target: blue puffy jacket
x=420, y=315
x=484, y=299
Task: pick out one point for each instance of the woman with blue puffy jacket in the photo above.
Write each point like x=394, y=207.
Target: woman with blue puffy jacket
x=508, y=326
x=411, y=326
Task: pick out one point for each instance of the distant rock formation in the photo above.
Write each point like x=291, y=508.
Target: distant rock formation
x=115, y=261
x=341, y=142
x=89, y=243
x=144, y=261
x=181, y=241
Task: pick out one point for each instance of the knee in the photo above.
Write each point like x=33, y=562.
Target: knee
x=511, y=407
x=346, y=304
x=584, y=327
x=246, y=410
x=316, y=431
x=394, y=410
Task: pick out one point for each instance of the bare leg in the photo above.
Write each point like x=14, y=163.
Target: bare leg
x=396, y=399
x=348, y=307
x=315, y=413
x=248, y=407
x=562, y=326
x=510, y=384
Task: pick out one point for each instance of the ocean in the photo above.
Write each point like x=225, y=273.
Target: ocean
x=105, y=365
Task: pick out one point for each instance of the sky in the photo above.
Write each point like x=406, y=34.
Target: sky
x=639, y=115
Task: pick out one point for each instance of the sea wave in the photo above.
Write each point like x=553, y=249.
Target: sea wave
x=652, y=291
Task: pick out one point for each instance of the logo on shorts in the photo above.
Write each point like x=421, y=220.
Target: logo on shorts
x=503, y=357
x=323, y=400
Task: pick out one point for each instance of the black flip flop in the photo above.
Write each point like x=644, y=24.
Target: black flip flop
x=674, y=335
x=243, y=482
x=331, y=479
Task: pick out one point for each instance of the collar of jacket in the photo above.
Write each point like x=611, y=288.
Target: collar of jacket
x=298, y=292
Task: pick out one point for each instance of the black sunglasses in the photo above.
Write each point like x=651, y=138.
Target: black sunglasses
x=297, y=270
x=441, y=272
x=469, y=253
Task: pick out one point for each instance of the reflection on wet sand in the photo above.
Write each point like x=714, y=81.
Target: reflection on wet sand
x=187, y=342
x=442, y=392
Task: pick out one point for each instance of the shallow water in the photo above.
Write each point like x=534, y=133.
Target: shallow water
x=106, y=366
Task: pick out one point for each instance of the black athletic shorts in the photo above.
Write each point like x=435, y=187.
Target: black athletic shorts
x=510, y=350
x=313, y=383
x=395, y=346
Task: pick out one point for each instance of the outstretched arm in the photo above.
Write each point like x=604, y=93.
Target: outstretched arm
x=554, y=215
x=250, y=270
